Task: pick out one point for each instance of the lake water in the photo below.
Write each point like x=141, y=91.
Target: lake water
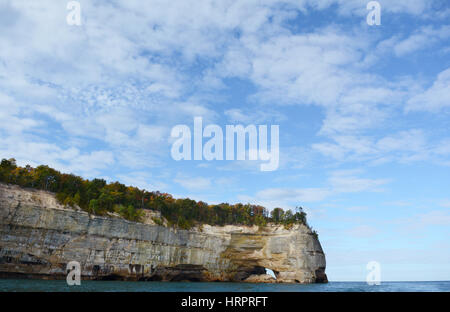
x=118, y=286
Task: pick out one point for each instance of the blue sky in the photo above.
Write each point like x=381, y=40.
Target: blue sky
x=363, y=110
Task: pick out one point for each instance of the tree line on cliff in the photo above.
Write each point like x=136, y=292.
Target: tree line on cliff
x=99, y=197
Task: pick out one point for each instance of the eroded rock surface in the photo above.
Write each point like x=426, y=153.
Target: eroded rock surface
x=38, y=237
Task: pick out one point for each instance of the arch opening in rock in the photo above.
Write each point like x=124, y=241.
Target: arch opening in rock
x=256, y=274
x=271, y=273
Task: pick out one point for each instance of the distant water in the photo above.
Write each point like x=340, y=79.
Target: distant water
x=116, y=286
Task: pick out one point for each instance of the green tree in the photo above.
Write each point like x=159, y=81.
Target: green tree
x=98, y=197
x=94, y=206
x=277, y=215
x=77, y=198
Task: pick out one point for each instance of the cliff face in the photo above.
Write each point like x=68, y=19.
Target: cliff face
x=38, y=237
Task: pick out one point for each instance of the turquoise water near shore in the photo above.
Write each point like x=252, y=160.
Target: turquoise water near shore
x=23, y=285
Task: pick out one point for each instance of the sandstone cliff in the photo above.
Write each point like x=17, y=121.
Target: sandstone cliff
x=38, y=237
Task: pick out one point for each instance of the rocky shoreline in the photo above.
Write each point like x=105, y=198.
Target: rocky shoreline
x=38, y=237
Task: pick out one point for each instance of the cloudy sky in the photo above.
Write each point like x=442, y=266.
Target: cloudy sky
x=363, y=110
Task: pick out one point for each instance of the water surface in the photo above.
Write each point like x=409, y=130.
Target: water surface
x=120, y=286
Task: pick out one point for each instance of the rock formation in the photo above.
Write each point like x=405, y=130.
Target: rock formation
x=38, y=237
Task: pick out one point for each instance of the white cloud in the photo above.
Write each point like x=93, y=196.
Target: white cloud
x=289, y=68
x=421, y=39
x=434, y=99
x=413, y=140
x=300, y=195
x=403, y=147
x=428, y=219
x=87, y=164
x=124, y=84
x=348, y=182
x=68, y=159
x=399, y=6
x=339, y=182
x=142, y=180
x=254, y=116
x=193, y=183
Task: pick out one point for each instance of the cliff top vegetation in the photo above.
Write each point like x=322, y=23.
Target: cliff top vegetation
x=99, y=197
